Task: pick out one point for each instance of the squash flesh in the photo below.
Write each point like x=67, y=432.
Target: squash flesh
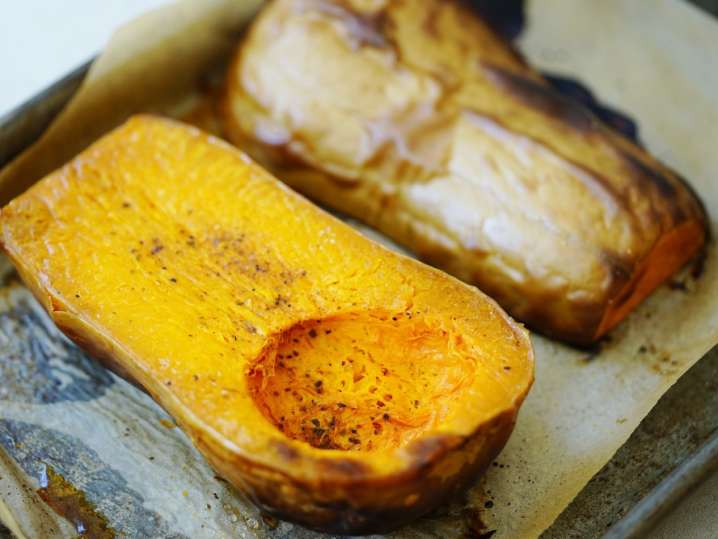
x=417, y=119
x=181, y=264
x=363, y=383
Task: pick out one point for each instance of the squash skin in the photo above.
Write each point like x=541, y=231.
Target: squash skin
x=468, y=158
x=77, y=237
x=335, y=503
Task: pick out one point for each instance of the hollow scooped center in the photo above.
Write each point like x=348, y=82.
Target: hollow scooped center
x=361, y=382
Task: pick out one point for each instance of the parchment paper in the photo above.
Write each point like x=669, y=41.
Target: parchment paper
x=61, y=415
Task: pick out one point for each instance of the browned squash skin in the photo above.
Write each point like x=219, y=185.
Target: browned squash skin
x=192, y=272
x=414, y=117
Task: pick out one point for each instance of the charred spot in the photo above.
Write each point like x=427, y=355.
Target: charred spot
x=427, y=450
x=620, y=268
x=676, y=284
x=699, y=265
x=344, y=466
x=285, y=451
x=660, y=180
x=617, y=120
x=543, y=98
x=506, y=17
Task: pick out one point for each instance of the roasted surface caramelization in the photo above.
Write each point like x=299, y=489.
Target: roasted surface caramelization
x=414, y=117
x=338, y=384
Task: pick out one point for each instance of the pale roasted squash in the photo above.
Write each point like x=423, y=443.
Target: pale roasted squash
x=416, y=118
x=337, y=383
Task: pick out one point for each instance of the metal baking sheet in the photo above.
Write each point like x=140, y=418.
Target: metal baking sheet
x=675, y=446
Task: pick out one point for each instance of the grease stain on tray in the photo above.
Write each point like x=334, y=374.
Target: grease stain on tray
x=71, y=503
x=76, y=483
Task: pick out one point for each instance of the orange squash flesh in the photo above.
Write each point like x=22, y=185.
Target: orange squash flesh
x=340, y=385
x=362, y=383
x=671, y=251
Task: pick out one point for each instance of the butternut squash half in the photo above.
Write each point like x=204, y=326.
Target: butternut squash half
x=416, y=118
x=340, y=385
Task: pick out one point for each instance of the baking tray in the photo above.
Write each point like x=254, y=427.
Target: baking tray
x=673, y=449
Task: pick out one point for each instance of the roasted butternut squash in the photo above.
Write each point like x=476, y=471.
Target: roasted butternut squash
x=416, y=118
x=340, y=385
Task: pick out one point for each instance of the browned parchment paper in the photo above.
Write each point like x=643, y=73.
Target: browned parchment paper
x=656, y=59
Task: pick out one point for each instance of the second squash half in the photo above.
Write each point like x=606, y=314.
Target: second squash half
x=416, y=118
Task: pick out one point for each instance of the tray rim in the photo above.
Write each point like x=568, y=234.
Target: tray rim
x=636, y=523
x=45, y=105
